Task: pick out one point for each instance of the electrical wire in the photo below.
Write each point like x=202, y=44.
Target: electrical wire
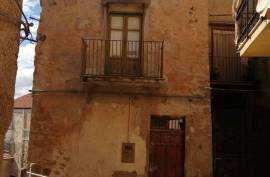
x=128, y=129
x=26, y=25
x=20, y=9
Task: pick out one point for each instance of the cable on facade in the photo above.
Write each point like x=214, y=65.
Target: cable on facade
x=107, y=94
x=128, y=126
x=26, y=26
x=231, y=90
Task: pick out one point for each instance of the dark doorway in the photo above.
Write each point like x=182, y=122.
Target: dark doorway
x=240, y=136
x=167, y=147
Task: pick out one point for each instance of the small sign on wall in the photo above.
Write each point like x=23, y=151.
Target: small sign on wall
x=128, y=152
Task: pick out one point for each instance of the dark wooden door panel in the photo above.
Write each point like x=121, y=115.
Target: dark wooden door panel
x=167, y=153
x=158, y=168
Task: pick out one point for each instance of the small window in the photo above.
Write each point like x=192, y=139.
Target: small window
x=8, y=144
x=7, y=147
x=25, y=134
x=11, y=125
x=167, y=123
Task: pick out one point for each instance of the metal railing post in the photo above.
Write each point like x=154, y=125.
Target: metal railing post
x=83, y=52
x=162, y=55
x=247, y=19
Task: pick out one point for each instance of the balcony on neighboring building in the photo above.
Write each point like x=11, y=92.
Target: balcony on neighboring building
x=133, y=62
x=253, y=32
x=231, y=70
x=227, y=68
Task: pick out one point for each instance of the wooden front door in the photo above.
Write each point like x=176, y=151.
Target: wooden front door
x=167, y=144
x=124, y=51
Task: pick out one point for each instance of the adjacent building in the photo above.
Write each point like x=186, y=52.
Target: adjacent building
x=240, y=99
x=121, y=88
x=16, y=140
x=9, y=46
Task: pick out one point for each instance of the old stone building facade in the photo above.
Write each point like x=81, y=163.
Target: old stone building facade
x=9, y=47
x=240, y=97
x=121, y=102
x=16, y=139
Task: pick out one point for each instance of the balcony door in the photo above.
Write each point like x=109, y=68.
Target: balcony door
x=124, y=45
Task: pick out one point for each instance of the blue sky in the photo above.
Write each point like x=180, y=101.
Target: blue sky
x=27, y=51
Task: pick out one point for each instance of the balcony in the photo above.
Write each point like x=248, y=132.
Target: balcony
x=247, y=18
x=230, y=70
x=232, y=73
x=227, y=68
x=122, y=61
x=253, y=33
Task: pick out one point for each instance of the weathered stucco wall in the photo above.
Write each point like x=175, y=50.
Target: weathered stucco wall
x=9, y=45
x=80, y=134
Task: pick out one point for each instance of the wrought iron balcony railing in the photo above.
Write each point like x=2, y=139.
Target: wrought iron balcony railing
x=117, y=58
x=246, y=18
x=225, y=63
x=230, y=69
